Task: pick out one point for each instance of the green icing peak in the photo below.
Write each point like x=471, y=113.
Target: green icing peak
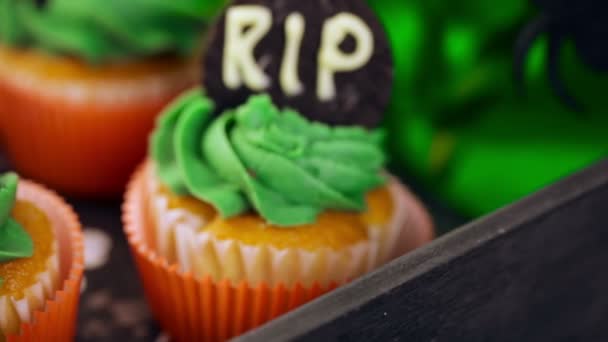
x=258, y=157
x=14, y=241
x=106, y=30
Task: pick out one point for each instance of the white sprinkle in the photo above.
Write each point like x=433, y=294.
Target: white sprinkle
x=129, y=313
x=97, y=248
x=83, y=284
x=163, y=338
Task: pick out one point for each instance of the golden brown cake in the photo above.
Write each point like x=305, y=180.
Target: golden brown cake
x=40, y=257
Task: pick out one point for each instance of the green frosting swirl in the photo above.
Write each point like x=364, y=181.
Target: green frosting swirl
x=106, y=30
x=257, y=157
x=14, y=241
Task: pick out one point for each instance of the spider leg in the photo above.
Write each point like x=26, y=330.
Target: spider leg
x=526, y=38
x=555, y=43
x=40, y=3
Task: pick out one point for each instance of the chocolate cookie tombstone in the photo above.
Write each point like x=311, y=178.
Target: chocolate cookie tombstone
x=328, y=59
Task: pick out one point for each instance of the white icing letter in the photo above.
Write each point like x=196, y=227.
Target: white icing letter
x=238, y=46
x=331, y=59
x=294, y=31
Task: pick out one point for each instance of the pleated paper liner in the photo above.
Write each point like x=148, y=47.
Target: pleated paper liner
x=13, y=311
x=82, y=129
x=56, y=319
x=201, y=309
x=194, y=308
x=179, y=240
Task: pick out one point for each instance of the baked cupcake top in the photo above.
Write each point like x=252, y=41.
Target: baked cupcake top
x=106, y=30
x=15, y=242
x=286, y=125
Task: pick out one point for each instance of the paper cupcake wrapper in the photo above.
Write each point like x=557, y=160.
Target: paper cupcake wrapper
x=195, y=308
x=192, y=308
x=52, y=317
x=180, y=240
x=14, y=311
x=82, y=137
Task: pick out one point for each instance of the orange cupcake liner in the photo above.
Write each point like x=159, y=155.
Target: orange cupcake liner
x=57, y=320
x=201, y=309
x=82, y=137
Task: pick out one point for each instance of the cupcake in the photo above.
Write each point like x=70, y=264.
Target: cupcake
x=41, y=263
x=263, y=204
x=85, y=80
x=254, y=201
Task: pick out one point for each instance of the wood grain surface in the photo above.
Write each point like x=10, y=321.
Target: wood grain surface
x=535, y=271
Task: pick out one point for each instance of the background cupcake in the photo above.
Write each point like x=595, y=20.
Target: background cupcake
x=81, y=83
x=40, y=263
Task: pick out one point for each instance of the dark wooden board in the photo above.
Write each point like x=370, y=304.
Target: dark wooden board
x=535, y=271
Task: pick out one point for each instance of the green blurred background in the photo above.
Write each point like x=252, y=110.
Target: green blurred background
x=458, y=123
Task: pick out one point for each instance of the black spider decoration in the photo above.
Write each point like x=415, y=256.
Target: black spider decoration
x=40, y=3
x=585, y=22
